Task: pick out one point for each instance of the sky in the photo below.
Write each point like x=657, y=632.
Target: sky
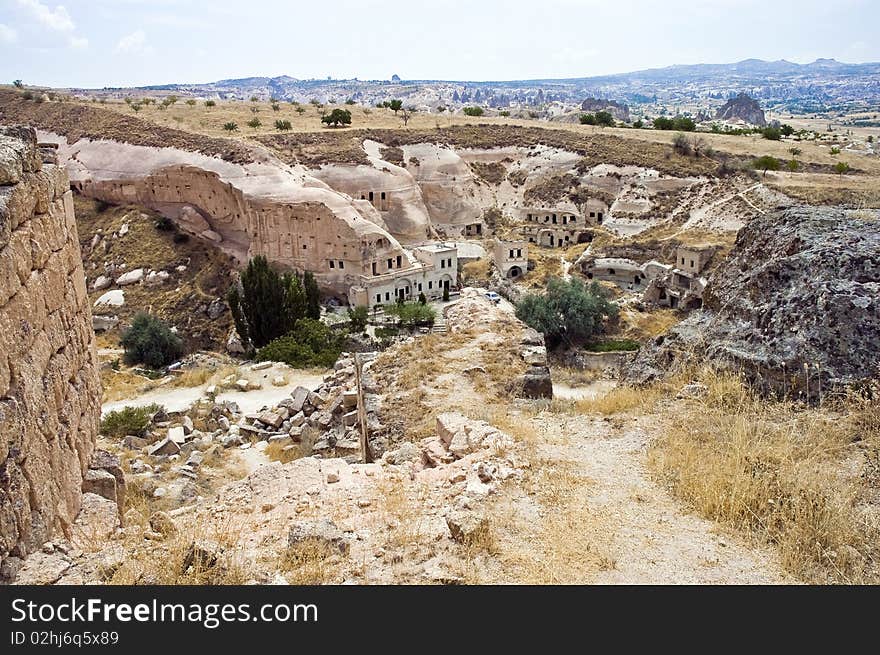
x=97, y=43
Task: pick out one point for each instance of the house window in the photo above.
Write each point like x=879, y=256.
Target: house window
x=387, y=296
x=374, y=268
x=383, y=195
x=332, y=264
x=341, y=264
x=442, y=263
x=573, y=219
x=692, y=263
x=420, y=287
x=592, y=214
x=528, y=217
x=378, y=297
x=450, y=262
x=304, y=246
x=430, y=284
x=519, y=252
x=511, y=254
x=682, y=261
x=611, y=271
x=398, y=261
x=371, y=196
x=390, y=264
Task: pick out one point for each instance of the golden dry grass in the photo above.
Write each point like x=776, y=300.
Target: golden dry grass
x=642, y=326
x=565, y=546
x=802, y=478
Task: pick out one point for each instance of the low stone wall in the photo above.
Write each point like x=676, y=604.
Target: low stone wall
x=49, y=383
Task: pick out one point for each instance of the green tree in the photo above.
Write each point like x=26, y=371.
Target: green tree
x=638, y=124
x=395, y=105
x=771, y=133
x=473, y=111
x=151, y=342
x=210, y=103
x=136, y=107
x=18, y=84
x=230, y=126
x=587, y=119
x=254, y=123
x=786, y=129
x=308, y=343
x=260, y=303
x=663, y=123
x=568, y=312
x=312, y=296
x=336, y=117
x=841, y=167
x=793, y=165
x=350, y=101
x=358, y=316
x=422, y=299
x=766, y=163
x=445, y=294
x=683, y=124
x=254, y=99
x=604, y=118
x=191, y=102
x=282, y=125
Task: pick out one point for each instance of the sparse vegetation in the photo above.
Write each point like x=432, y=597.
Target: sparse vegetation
x=231, y=126
x=309, y=343
x=151, y=342
x=128, y=421
x=337, y=117
x=568, y=312
x=473, y=111
x=283, y=125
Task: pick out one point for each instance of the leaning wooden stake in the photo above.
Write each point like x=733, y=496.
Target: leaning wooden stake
x=366, y=456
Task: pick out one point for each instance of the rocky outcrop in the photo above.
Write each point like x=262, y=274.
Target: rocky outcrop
x=742, y=107
x=263, y=207
x=619, y=110
x=796, y=306
x=49, y=384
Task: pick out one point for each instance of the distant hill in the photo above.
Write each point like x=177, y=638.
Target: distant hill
x=823, y=85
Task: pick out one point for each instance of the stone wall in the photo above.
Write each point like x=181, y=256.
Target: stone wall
x=49, y=384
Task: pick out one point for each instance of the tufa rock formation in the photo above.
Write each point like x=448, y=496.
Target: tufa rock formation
x=744, y=108
x=801, y=288
x=619, y=110
x=49, y=384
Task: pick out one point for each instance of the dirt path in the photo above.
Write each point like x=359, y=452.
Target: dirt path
x=633, y=530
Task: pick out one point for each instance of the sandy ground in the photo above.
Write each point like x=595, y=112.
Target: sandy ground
x=643, y=535
x=178, y=399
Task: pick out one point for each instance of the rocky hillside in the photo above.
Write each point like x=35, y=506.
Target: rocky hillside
x=742, y=107
x=796, y=306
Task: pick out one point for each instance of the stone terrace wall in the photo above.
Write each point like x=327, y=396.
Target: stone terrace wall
x=49, y=384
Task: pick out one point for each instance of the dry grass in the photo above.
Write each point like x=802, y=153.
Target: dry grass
x=642, y=326
x=567, y=546
x=119, y=385
x=800, y=478
x=478, y=271
x=620, y=400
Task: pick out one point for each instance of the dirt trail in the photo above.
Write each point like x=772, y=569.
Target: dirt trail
x=638, y=534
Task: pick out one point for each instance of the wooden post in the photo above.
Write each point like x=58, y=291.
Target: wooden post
x=366, y=456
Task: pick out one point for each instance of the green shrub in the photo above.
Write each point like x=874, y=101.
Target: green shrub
x=411, y=314
x=151, y=342
x=384, y=333
x=310, y=343
x=337, y=117
x=358, y=318
x=567, y=312
x=473, y=111
x=614, y=345
x=128, y=420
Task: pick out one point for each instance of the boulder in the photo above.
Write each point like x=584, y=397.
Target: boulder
x=467, y=527
x=101, y=282
x=113, y=298
x=131, y=277
x=299, y=397
x=321, y=533
x=271, y=418
x=104, y=323
x=165, y=447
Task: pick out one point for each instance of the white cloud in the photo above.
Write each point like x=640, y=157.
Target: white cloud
x=134, y=44
x=7, y=34
x=55, y=20
x=58, y=20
